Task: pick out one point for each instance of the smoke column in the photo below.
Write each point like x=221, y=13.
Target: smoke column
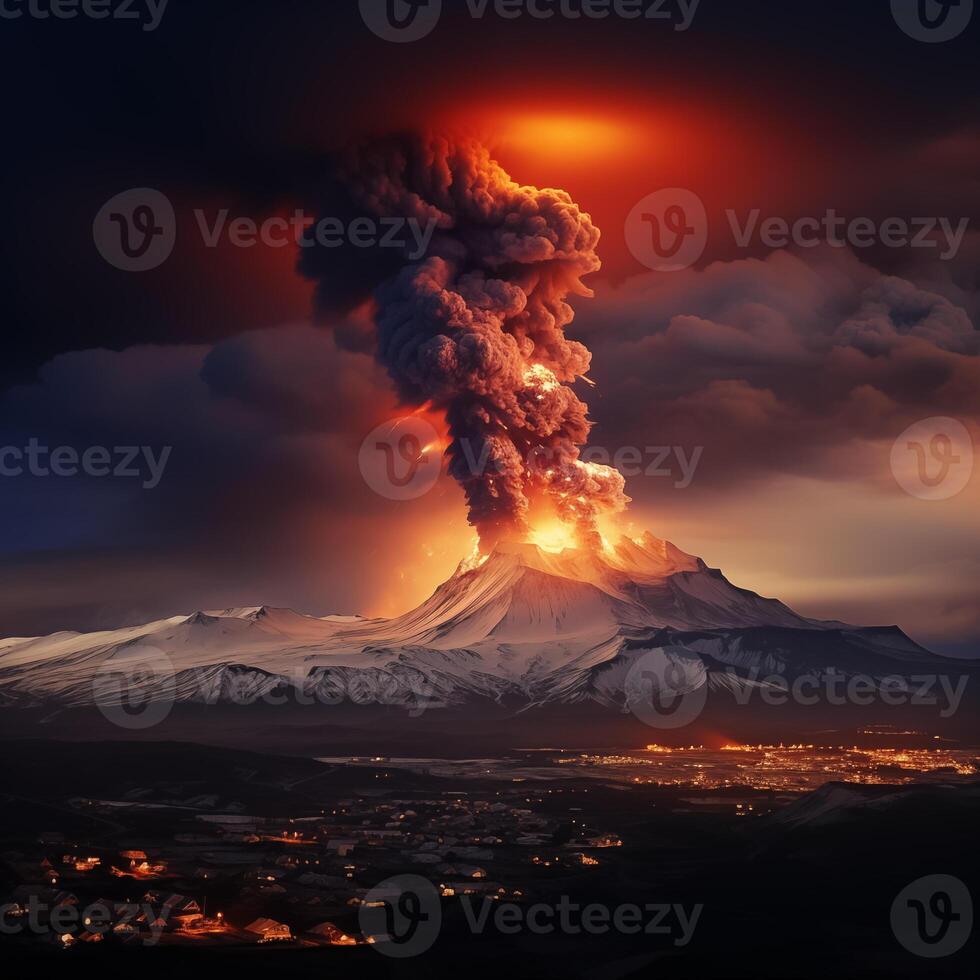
x=477, y=328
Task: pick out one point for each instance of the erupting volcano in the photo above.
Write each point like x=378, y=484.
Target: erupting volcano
x=547, y=609
x=520, y=626
x=476, y=331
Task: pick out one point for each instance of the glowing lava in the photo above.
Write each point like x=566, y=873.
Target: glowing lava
x=554, y=537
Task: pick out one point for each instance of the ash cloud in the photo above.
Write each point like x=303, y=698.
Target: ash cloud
x=789, y=365
x=477, y=327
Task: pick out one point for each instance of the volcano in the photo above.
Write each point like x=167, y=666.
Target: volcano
x=521, y=626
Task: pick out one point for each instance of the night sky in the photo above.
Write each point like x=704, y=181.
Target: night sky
x=794, y=370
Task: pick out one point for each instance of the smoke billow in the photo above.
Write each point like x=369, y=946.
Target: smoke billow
x=477, y=328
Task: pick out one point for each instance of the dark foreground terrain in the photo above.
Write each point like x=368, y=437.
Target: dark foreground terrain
x=777, y=885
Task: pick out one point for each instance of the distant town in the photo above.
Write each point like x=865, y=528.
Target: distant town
x=187, y=846
x=215, y=874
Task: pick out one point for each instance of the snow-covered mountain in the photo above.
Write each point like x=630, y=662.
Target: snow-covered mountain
x=523, y=625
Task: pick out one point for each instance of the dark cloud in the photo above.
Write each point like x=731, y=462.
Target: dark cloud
x=298, y=378
x=758, y=361
x=259, y=457
x=477, y=328
x=773, y=364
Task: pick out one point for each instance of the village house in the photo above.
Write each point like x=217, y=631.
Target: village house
x=461, y=871
x=273, y=888
x=269, y=931
x=268, y=874
x=327, y=933
x=50, y=898
x=313, y=880
x=595, y=840
x=450, y=889
x=379, y=833
x=139, y=867
x=179, y=910
x=125, y=931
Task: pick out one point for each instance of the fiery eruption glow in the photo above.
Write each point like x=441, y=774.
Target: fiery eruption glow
x=477, y=328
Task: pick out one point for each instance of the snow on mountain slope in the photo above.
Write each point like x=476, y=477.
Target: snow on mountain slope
x=524, y=623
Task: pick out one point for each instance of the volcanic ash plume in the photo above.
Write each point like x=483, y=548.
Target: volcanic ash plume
x=477, y=329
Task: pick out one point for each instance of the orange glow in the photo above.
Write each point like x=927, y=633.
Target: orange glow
x=554, y=536
x=609, y=147
x=538, y=376
x=474, y=560
x=547, y=135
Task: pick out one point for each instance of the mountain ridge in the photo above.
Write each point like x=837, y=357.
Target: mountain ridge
x=520, y=623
